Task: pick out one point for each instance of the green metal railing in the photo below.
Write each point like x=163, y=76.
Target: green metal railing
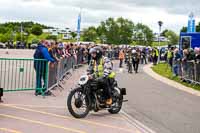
x=23, y=74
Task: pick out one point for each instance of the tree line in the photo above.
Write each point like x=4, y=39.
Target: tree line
x=110, y=31
x=11, y=31
x=124, y=31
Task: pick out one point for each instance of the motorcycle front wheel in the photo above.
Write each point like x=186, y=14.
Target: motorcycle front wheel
x=78, y=103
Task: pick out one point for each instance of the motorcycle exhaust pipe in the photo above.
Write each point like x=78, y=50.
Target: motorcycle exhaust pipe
x=125, y=100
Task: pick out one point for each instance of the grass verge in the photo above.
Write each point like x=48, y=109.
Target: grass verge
x=164, y=70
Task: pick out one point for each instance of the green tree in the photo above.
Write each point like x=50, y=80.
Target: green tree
x=36, y=30
x=143, y=35
x=117, y=31
x=51, y=37
x=163, y=33
x=172, y=37
x=184, y=29
x=125, y=30
x=198, y=27
x=109, y=31
x=3, y=38
x=73, y=34
x=90, y=34
x=6, y=37
x=3, y=29
x=18, y=36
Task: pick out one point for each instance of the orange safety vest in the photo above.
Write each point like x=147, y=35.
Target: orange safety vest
x=121, y=55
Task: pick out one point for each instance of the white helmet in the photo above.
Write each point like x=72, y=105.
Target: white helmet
x=133, y=51
x=92, y=50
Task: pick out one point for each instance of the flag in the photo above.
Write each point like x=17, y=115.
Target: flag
x=79, y=26
x=191, y=24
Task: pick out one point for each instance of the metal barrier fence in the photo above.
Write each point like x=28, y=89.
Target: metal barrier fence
x=37, y=74
x=59, y=72
x=79, y=58
x=23, y=74
x=191, y=71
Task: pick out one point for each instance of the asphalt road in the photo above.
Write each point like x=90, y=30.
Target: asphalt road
x=159, y=106
x=23, y=112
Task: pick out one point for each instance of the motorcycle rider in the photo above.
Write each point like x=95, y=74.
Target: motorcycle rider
x=100, y=67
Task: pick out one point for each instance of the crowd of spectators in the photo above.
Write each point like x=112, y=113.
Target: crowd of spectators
x=185, y=64
x=178, y=60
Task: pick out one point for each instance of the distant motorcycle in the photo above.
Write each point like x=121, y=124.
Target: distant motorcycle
x=90, y=95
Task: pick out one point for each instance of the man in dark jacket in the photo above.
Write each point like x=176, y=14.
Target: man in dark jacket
x=136, y=59
x=41, y=58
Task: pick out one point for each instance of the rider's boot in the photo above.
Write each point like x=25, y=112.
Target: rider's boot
x=109, y=101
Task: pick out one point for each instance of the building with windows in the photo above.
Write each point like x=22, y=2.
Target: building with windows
x=66, y=33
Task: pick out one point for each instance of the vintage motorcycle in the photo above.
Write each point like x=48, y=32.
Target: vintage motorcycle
x=89, y=95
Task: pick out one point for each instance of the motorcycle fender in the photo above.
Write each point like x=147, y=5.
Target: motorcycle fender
x=117, y=89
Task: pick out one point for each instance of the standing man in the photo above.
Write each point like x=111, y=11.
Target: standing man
x=136, y=59
x=143, y=55
x=121, y=58
x=41, y=66
x=129, y=61
x=155, y=55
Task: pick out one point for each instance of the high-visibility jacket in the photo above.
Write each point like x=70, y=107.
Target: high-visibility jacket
x=103, y=68
x=99, y=68
x=157, y=52
x=169, y=54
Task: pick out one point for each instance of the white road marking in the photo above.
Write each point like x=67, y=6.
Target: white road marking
x=141, y=127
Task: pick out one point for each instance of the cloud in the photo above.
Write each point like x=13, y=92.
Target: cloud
x=63, y=13
x=171, y=6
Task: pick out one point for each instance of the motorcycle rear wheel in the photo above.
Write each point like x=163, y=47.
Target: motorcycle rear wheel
x=118, y=105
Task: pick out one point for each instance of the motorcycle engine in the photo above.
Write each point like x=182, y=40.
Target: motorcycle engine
x=100, y=96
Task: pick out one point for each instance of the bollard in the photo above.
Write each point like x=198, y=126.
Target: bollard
x=1, y=94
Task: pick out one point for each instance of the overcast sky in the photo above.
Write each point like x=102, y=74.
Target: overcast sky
x=63, y=13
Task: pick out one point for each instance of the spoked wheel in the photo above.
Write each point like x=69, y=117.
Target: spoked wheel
x=78, y=103
x=117, y=105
